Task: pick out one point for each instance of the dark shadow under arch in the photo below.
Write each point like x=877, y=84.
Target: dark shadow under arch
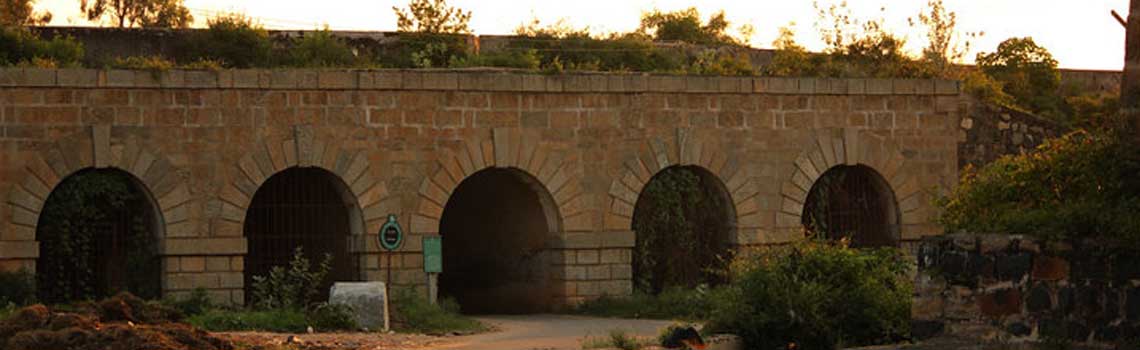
x=684, y=221
x=854, y=202
x=494, y=229
x=310, y=208
x=99, y=233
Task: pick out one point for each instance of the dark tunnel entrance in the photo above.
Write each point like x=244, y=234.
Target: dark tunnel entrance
x=310, y=208
x=494, y=230
x=853, y=202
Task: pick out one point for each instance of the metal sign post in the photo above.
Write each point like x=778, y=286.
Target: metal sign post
x=391, y=236
x=433, y=264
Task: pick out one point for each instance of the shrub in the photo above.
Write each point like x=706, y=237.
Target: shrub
x=18, y=45
x=1082, y=184
x=617, y=339
x=331, y=317
x=151, y=63
x=196, y=303
x=423, y=50
x=285, y=321
x=17, y=288
x=819, y=295
x=415, y=314
x=527, y=59
x=234, y=40
x=1027, y=72
x=291, y=288
x=321, y=49
x=713, y=62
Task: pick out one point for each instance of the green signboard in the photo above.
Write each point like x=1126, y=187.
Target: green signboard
x=391, y=235
x=433, y=254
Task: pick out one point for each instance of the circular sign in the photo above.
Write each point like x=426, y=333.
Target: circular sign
x=390, y=234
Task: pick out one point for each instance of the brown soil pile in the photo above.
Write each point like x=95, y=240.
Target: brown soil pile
x=122, y=322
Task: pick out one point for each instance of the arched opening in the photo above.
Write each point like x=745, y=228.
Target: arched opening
x=494, y=231
x=683, y=220
x=99, y=233
x=307, y=208
x=853, y=202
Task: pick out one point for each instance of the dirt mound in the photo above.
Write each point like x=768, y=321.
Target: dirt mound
x=121, y=322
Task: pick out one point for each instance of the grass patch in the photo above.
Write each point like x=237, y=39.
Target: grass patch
x=675, y=303
x=617, y=338
x=282, y=321
x=412, y=313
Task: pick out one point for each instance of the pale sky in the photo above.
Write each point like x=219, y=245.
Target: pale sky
x=1081, y=34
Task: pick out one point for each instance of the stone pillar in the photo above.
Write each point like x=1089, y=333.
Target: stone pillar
x=215, y=264
x=590, y=265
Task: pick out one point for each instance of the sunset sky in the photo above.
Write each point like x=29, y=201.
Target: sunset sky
x=1080, y=33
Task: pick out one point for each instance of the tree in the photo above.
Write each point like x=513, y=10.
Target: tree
x=945, y=47
x=432, y=16
x=1027, y=71
x=140, y=13
x=1130, y=85
x=685, y=25
x=21, y=13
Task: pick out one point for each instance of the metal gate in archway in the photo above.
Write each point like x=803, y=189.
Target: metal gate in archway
x=299, y=207
x=852, y=202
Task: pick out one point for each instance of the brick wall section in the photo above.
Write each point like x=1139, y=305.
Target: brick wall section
x=401, y=140
x=1008, y=287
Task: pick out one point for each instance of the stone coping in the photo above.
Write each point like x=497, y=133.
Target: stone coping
x=462, y=80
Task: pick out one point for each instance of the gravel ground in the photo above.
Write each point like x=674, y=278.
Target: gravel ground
x=330, y=341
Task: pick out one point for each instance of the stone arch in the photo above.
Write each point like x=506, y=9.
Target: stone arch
x=93, y=149
x=542, y=167
x=362, y=191
x=656, y=155
x=847, y=147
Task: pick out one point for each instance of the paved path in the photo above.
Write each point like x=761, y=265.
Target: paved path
x=527, y=332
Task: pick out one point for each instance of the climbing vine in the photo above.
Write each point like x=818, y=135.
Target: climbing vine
x=680, y=228
x=94, y=241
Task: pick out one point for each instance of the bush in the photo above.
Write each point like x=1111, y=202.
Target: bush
x=415, y=314
x=293, y=288
x=18, y=45
x=235, y=41
x=326, y=317
x=617, y=339
x=151, y=63
x=1082, y=184
x=17, y=288
x=197, y=303
x=820, y=295
x=321, y=49
x=511, y=59
x=423, y=50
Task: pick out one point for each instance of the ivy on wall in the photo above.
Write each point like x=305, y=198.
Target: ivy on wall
x=94, y=240
x=680, y=228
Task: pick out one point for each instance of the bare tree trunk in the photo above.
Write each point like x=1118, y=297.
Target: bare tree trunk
x=1130, y=83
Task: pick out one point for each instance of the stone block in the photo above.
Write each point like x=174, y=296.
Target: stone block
x=1000, y=303
x=621, y=272
x=193, y=264
x=1049, y=268
x=588, y=256
x=217, y=263
x=598, y=272
x=368, y=300
x=19, y=250
x=1013, y=267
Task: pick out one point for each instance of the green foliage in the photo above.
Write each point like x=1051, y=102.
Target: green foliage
x=423, y=50
x=17, y=288
x=412, y=313
x=945, y=45
x=282, y=320
x=290, y=288
x=21, y=13
x=1082, y=184
x=1027, y=72
x=18, y=45
x=714, y=62
x=321, y=49
x=673, y=303
x=432, y=16
x=560, y=47
x=235, y=41
x=141, y=13
x=986, y=89
x=151, y=63
x=617, y=339
x=820, y=295
x=70, y=230
x=527, y=59
x=196, y=303
x=685, y=25
x=325, y=317
x=680, y=228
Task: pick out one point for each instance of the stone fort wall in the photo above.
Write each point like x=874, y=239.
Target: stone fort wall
x=203, y=141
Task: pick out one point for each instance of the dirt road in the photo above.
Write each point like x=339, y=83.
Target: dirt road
x=547, y=332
